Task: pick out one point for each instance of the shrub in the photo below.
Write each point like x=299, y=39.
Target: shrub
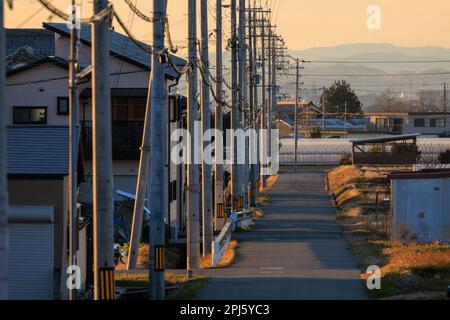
x=375, y=149
x=346, y=160
x=406, y=148
x=315, y=133
x=444, y=157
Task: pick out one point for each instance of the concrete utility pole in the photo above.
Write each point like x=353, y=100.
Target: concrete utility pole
x=218, y=175
x=274, y=86
x=3, y=166
x=157, y=186
x=251, y=110
x=324, y=118
x=445, y=97
x=234, y=110
x=263, y=143
x=142, y=182
x=243, y=100
x=256, y=106
x=207, y=205
x=193, y=192
x=73, y=109
x=102, y=160
x=297, y=83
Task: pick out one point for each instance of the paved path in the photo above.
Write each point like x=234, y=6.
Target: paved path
x=296, y=251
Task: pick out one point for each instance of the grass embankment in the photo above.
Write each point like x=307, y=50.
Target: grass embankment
x=263, y=197
x=409, y=271
x=227, y=259
x=180, y=286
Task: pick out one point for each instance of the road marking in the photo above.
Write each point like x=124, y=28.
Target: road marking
x=271, y=270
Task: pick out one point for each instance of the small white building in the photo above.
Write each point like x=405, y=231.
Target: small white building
x=421, y=206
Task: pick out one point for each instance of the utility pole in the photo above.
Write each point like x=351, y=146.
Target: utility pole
x=218, y=175
x=243, y=100
x=193, y=192
x=269, y=89
x=297, y=83
x=207, y=205
x=274, y=90
x=157, y=186
x=324, y=118
x=251, y=113
x=3, y=166
x=73, y=109
x=256, y=106
x=445, y=97
x=345, y=116
x=234, y=111
x=263, y=136
x=104, y=288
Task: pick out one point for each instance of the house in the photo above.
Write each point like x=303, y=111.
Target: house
x=37, y=95
x=38, y=168
x=426, y=123
x=38, y=107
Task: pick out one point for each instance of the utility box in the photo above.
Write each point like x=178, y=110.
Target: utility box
x=421, y=206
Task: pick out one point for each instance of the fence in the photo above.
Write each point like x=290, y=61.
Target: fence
x=331, y=151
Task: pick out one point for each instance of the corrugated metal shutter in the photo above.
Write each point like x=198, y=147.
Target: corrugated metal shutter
x=31, y=260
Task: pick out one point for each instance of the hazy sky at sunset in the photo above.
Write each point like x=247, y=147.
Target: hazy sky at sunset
x=303, y=23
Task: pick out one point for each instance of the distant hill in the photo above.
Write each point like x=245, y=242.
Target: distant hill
x=353, y=59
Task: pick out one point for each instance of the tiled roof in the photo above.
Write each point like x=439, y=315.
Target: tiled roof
x=121, y=46
x=42, y=41
x=38, y=150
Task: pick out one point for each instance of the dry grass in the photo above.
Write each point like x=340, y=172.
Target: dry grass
x=409, y=270
x=227, y=259
x=183, y=288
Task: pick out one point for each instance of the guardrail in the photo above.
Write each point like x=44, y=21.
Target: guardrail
x=220, y=244
x=243, y=220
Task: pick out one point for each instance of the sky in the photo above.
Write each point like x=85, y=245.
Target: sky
x=303, y=23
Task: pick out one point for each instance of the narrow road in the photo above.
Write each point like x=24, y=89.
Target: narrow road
x=296, y=251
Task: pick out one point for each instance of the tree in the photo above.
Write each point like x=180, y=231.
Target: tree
x=339, y=95
x=390, y=101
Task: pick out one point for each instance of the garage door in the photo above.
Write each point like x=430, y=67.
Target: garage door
x=31, y=253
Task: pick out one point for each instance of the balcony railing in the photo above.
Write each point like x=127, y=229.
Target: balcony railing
x=126, y=139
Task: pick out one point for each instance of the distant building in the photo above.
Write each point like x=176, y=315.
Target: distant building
x=426, y=123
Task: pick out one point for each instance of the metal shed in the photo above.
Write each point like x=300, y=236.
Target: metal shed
x=420, y=206
x=363, y=151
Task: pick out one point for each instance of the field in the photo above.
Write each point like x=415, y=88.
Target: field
x=409, y=271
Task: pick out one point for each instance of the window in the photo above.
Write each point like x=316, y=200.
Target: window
x=437, y=123
x=380, y=123
x=419, y=123
x=30, y=115
x=130, y=109
x=63, y=106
